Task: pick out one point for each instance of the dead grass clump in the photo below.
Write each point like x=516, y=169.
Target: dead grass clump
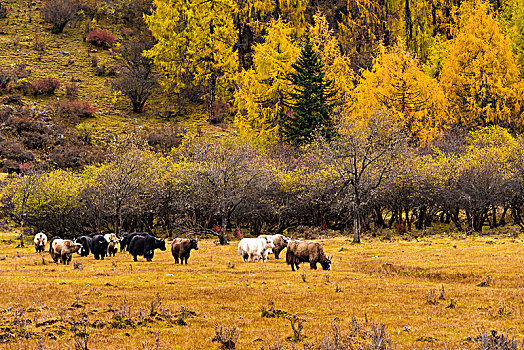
x=493, y=341
x=182, y=315
x=156, y=346
x=488, y=282
x=122, y=317
x=226, y=336
x=365, y=337
x=80, y=331
x=431, y=297
x=303, y=276
x=272, y=312
x=71, y=90
x=503, y=309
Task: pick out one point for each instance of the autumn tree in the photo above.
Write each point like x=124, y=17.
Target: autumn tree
x=59, y=13
x=480, y=75
x=137, y=80
x=397, y=83
x=262, y=89
x=20, y=194
x=362, y=157
x=195, y=45
x=123, y=180
x=221, y=175
x=513, y=20
x=310, y=99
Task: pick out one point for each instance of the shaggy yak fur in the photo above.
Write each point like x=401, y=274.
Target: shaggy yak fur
x=304, y=251
x=64, y=249
x=181, y=249
x=86, y=245
x=145, y=246
x=40, y=241
x=126, y=238
x=99, y=247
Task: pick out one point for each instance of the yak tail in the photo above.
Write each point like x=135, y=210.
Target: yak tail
x=239, y=250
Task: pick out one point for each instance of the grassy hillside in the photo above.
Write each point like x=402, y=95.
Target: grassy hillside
x=397, y=283
x=23, y=34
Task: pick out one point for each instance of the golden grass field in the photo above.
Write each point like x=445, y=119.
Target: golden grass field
x=386, y=282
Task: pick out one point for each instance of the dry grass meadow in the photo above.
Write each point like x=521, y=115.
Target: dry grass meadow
x=396, y=282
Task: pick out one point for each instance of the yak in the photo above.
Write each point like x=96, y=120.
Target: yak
x=40, y=241
x=86, y=245
x=145, y=246
x=181, y=248
x=307, y=251
x=64, y=249
x=99, y=247
x=255, y=249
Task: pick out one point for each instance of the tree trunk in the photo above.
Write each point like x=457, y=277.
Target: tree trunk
x=408, y=24
x=22, y=233
x=356, y=223
x=222, y=236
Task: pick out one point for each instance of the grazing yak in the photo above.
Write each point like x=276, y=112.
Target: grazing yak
x=255, y=249
x=99, y=247
x=306, y=251
x=145, y=245
x=112, y=248
x=126, y=238
x=279, y=241
x=181, y=248
x=40, y=241
x=64, y=249
x=86, y=245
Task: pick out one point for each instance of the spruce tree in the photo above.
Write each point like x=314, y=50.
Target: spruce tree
x=310, y=100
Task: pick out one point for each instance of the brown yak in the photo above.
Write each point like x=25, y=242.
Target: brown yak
x=279, y=241
x=306, y=251
x=181, y=248
x=63, y=249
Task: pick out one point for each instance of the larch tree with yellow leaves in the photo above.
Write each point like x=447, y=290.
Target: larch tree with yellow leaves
x=195, y=45
x=396, y=82
x=261, y=89
x=480, y=75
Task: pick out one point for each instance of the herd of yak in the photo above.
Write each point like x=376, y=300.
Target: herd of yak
x=144, y=244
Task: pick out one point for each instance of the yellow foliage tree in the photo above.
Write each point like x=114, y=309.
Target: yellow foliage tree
x=260, y=93
x=396, y=82
x=480, y=75
x=337, y=65
x=195, y=44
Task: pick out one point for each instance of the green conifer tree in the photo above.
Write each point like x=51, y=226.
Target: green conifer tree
x=310, y=100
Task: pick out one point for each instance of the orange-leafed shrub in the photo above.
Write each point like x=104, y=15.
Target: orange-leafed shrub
x=101, y=38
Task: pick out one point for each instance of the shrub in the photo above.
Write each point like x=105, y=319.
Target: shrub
x=226, y=336
x=3, y=11
x=101, y=38
x=74, y=110
x=45, y=86
x=14, y=99
x=59, y=13
x=71, y=90
x=163, y=139
x=6, y=77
